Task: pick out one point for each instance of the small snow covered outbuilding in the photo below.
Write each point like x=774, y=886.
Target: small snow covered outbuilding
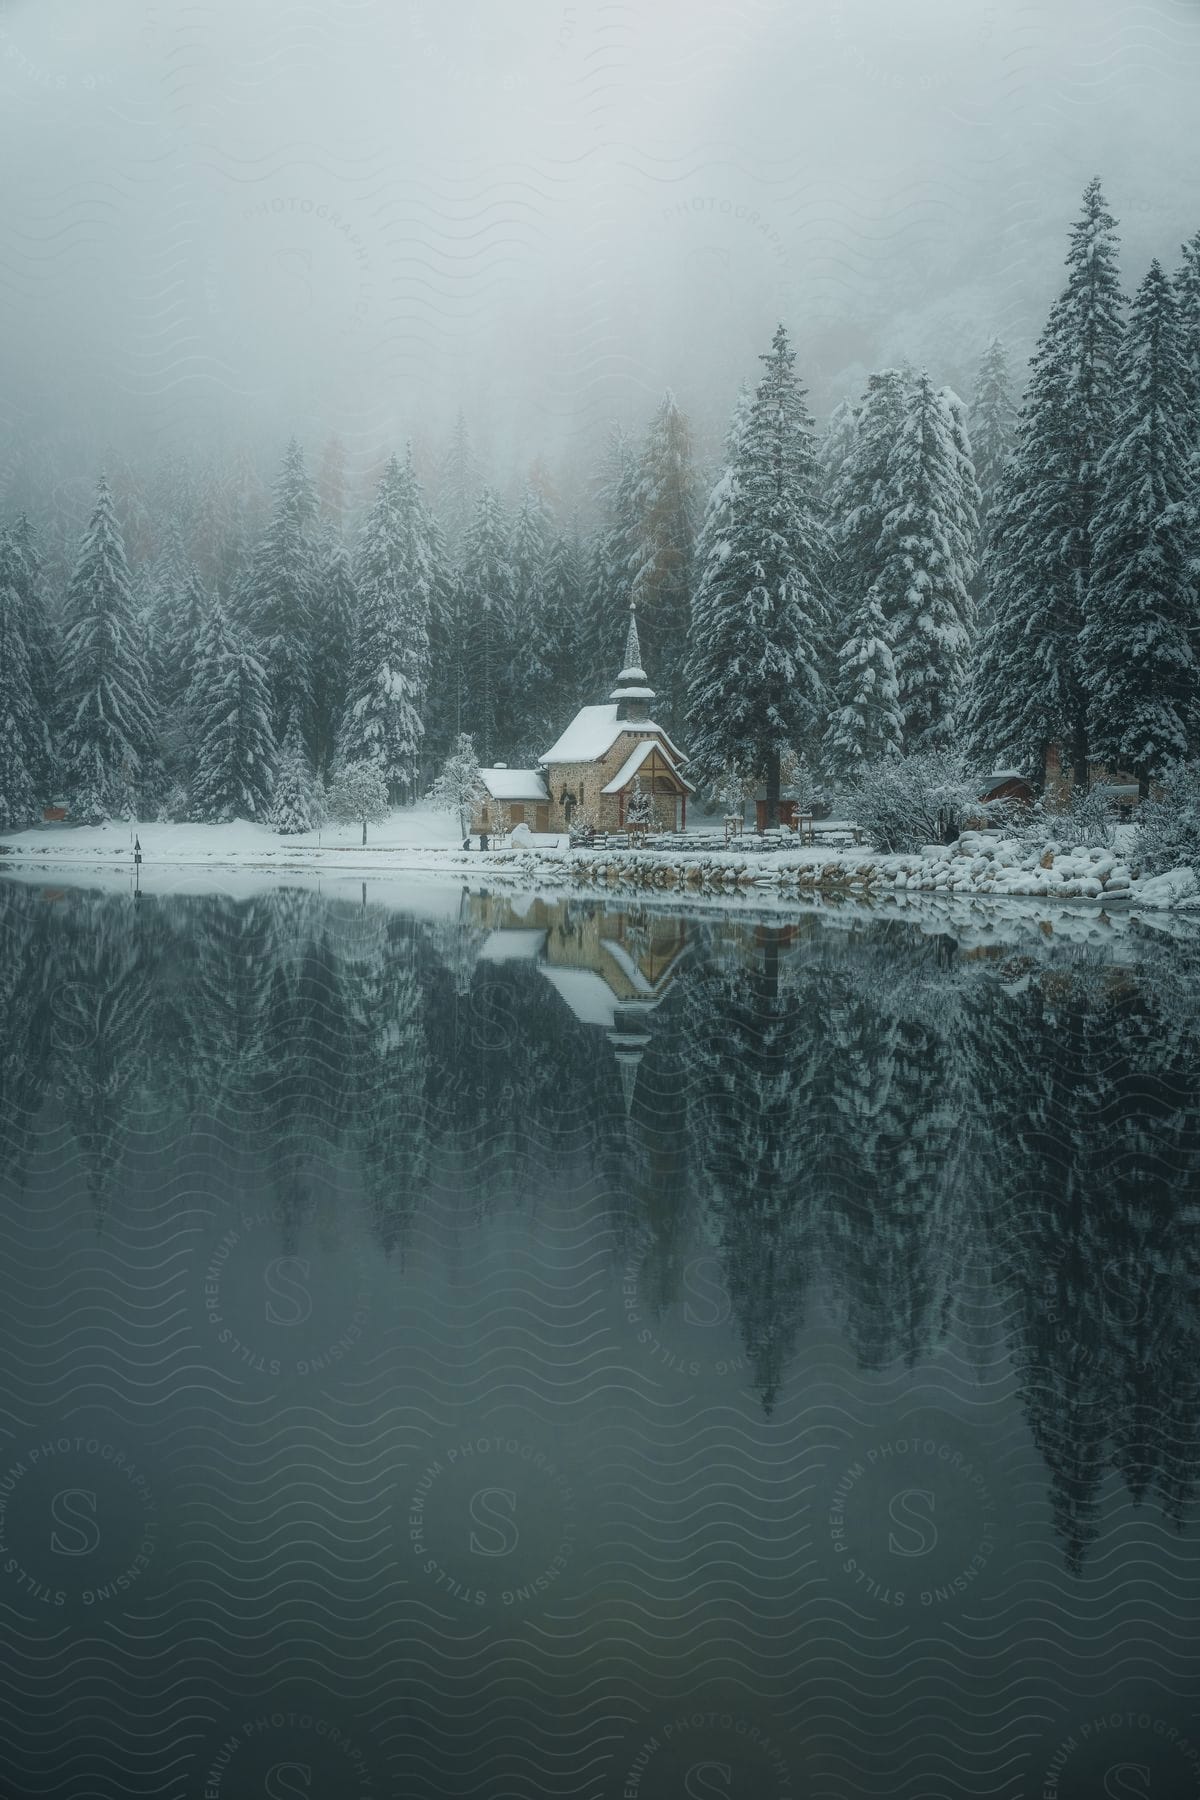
x=514, y=797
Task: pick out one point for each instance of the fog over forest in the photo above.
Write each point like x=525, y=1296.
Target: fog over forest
x=226, y=223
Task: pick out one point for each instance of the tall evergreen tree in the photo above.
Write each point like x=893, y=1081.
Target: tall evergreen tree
x=180, y=615
x=1139, y=648
x=992, y=421
x=244, y=503
x=449, y=647
x=279, y=596
x=163, y=584
x=40, y=636
x=859, y=489
x=179, y=624
x=1187, y=294
x=610, y=560
x=531, y=678
x=667, y=506
x=458, y=486
x=332, y=485
x=564, y=625
x=867, y=726
x=296, y=797
x=390, y=663
x=106, y=713
x=756, y=680
x=233, y=770
x=925, y=544
x=335, y=608
x=489, y=603
x=22, y=730
x=25, y=575
x=835, y=449
x=1028, y=689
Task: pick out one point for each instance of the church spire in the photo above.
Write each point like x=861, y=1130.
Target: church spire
x=633, y=651
x=633, y=692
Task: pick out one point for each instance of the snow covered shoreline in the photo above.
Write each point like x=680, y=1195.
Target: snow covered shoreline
x=982, y=867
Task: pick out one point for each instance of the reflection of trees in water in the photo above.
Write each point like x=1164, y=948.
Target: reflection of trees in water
x=101, y=1033
x=828, y=1134
x=753, y=1053
x=1092, y=1220
x=864, y=1110
x=26, y=984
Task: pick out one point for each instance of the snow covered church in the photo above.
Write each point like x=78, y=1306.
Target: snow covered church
x=602, y=757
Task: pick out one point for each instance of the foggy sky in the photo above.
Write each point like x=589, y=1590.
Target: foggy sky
x=226, y=220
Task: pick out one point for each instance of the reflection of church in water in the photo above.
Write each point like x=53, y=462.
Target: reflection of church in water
x=611, y=969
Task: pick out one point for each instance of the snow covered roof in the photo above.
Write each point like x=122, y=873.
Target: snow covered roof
x=512, y=946
x=515, y=784
x=634, y=761
x=594, y=730
x=630, y=969
x=587, y=994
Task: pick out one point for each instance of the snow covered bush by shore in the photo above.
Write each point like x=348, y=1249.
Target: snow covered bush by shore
x=904, y=802
x=1168, y=827
x=1086, y=821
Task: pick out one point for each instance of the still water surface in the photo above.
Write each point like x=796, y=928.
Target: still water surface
x=466, y=1346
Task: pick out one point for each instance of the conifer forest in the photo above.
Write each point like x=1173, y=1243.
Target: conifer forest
x=599, y=900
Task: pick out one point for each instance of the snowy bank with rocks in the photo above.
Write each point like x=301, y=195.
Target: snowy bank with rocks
x=982, y=866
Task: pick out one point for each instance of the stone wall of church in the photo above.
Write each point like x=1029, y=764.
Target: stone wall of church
x=587, y=781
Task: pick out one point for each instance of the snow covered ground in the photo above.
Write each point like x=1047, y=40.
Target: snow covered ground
x=981, y=866
x=408, y=832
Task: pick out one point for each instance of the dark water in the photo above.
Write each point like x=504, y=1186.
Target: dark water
x=549, y=1350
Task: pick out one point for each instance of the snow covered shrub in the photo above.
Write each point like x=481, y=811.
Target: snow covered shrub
x=1168, y=828
x=640, y=810
x=904, y=803
x=583, y=823
x=1084, y=822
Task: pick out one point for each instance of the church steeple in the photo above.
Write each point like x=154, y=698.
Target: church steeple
x=633, y=692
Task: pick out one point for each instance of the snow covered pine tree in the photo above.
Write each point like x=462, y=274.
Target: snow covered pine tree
x=759, y=625
x=296, y=804
x=926, y=544
x=1027, y=690
x=229, y=704
x=1138, y=649
x=106, y=714
x=390, y=664
x=22, y=729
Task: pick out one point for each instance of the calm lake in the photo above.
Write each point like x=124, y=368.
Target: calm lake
x=457, y=1345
